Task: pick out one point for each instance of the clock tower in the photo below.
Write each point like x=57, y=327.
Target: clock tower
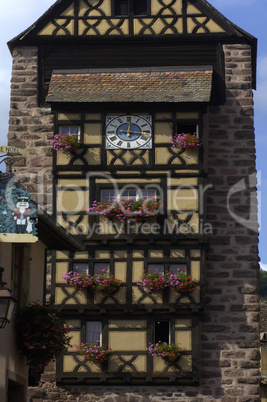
x=158, y=96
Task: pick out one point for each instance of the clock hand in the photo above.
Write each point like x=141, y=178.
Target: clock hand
x=135, y=132
x=128, y=131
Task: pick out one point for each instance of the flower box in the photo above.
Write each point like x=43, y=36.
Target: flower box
x=181, y=282
x=186, y=141
x=164, y=350
x=94, y=353
x=103, y=281
x=141, y=210
x=65, y=143
x=155, y=282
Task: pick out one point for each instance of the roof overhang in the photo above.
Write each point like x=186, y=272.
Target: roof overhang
x=54, y=236
x=144, y=85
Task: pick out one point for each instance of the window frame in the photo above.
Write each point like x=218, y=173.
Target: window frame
x=128, y=188
x=91, y=265
x=166, y=265
x=100, y=342
x=131, y=9
x=169, y=331
x=70, y=125
x=189, y=122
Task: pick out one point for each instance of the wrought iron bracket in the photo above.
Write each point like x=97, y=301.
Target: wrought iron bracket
x=9, y=160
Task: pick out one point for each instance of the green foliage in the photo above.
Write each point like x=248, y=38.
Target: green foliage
x=94, y=353
x=42, y=334
x=164, y=350
x=263, y=284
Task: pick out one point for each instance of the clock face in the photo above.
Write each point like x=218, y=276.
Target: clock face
x=129, y=132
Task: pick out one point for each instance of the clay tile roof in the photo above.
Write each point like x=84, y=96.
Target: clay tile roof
x=144, y=85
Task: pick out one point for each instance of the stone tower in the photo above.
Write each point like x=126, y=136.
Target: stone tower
x=126, y=77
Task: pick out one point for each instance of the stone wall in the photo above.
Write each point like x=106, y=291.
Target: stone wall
x=230, y=332
x=30, y=127
x=230, y=325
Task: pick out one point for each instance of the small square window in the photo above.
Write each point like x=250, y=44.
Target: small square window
x=187, y=128
x=156, y=268
x=126, y=7
x=140, y=7
x=163, y=268
x=108, y=195
x=81, y=268
x=94, y=332
x=177, y=268
x=90, y=268
x=99, y=267
x=162, y=331
x=71, y=129
x=121, y=7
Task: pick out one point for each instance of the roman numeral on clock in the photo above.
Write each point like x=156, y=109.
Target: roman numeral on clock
x=143, y=137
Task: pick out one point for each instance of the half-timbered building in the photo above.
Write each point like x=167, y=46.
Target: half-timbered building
x=126, y=77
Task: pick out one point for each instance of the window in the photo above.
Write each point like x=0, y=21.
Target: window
x=100, y=266
x=140, y=7
x=121, y=7
x=16, y=391
x=163, y=268
x=17, y=270
x=72, y=129
x=108, y=195
x=94, y=332
x=185, y=128
x=81, y=268
x=113, y=195
x=92, y=267
x=128, y=7
x=162, y=331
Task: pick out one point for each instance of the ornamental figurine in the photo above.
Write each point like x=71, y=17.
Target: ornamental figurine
x=22, y=216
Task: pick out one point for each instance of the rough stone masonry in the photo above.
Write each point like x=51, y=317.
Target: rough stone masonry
x=230, y=361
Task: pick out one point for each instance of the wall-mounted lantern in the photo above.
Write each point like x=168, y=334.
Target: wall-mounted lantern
x=7, y=302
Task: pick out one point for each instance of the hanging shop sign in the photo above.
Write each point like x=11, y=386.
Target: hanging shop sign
x=18, y=213
x=12, y=150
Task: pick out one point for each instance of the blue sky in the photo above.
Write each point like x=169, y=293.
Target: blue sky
x=250, y=15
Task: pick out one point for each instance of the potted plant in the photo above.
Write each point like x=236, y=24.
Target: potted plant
x=153, y=281
x=65, y=143
x=181, y=282
x=141, y=210
x=164, y=350
x=94, y=353
x=41, y=334
x=186, y=141
x=103, y=281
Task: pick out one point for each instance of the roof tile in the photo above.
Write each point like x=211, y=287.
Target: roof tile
x=192, y=85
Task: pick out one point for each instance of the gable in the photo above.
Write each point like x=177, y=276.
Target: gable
x=96, y=18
